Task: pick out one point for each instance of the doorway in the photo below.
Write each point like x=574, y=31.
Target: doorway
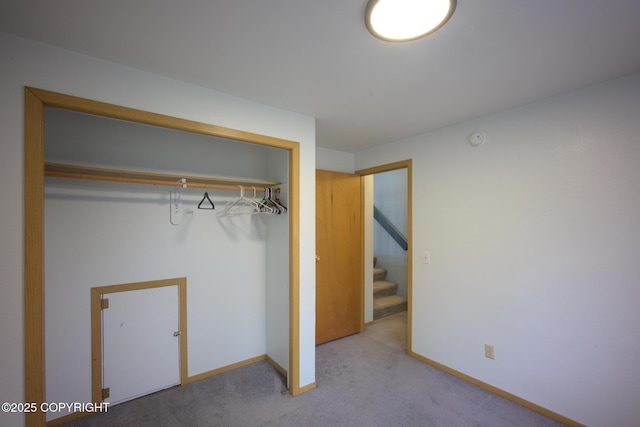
x=368, y=267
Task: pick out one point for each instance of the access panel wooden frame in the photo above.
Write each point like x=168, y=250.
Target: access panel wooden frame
x=34, y=337
x=97, y=294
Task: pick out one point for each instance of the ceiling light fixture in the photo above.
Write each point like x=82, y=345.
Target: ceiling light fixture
x=405, y=20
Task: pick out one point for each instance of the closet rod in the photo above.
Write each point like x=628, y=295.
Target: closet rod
x=114, y=175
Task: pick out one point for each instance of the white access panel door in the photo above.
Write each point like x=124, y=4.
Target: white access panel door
x=140, y=352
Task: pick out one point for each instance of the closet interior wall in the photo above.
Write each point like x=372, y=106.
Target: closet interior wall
x=106, y=233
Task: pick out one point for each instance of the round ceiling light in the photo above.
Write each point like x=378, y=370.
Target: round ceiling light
x=404, y=20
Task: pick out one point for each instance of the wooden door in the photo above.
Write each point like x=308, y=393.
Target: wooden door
x=339, y=255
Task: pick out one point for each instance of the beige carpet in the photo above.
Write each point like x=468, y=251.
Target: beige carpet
x=391, y=331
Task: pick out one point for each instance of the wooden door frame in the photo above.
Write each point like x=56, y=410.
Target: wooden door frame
x=403, y=164
x=35, y=102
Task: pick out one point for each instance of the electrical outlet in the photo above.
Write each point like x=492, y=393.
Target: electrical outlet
x=489, y=351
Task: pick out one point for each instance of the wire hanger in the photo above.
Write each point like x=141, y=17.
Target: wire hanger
x=206, y=197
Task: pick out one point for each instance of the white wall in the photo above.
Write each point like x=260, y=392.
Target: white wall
x=534, y=238
x=334, y=160
x=27, y=63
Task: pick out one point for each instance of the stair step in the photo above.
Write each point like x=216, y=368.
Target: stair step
x=384, y=288
x=386, y=306
x=379, y=274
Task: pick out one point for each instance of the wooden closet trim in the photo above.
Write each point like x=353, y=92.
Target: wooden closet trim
x=35, y=102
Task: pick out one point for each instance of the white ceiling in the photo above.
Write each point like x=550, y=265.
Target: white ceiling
x=317, y=58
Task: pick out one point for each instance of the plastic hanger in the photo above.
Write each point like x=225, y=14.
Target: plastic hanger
x=275, y=202
x=241, y=205
x=273, y=207
x=263, y=207
x=206, y=197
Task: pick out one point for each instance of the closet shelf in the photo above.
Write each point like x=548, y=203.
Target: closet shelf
x=92, y=173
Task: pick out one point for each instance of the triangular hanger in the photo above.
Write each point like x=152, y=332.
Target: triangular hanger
x=206, y=197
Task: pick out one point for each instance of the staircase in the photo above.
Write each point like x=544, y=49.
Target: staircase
x=385, y=300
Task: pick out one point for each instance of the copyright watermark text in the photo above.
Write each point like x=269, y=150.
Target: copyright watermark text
x=55, y=407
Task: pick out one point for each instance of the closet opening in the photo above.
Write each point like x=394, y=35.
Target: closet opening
x=38, y=104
